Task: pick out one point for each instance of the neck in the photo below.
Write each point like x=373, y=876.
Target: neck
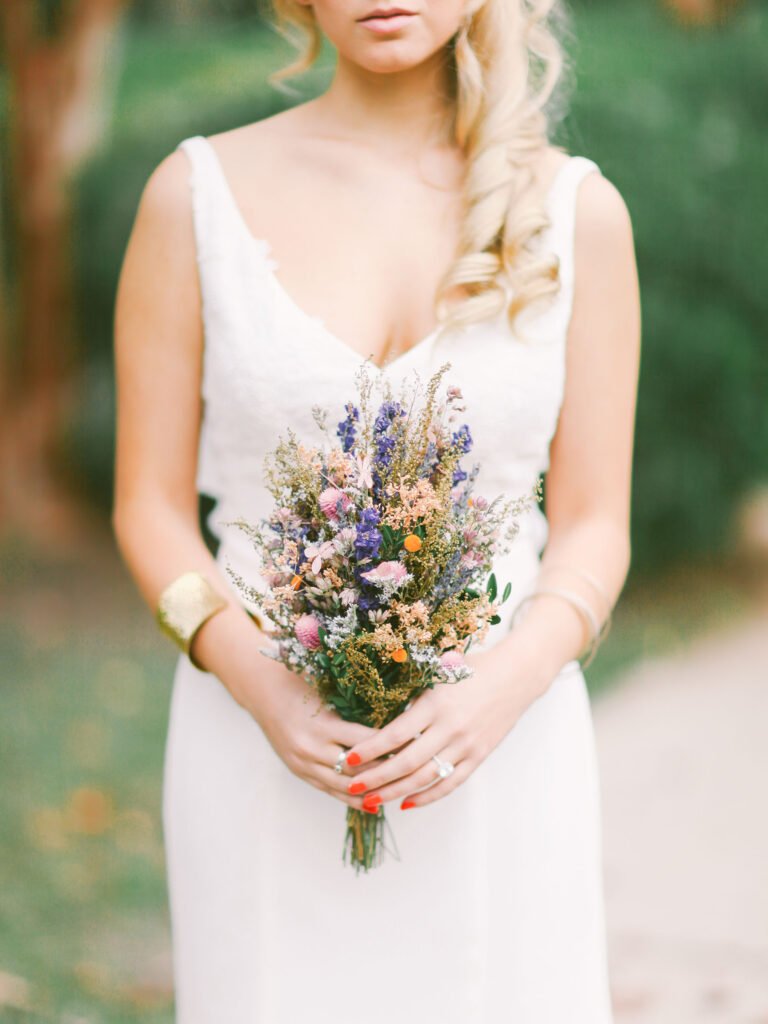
x=398, y=112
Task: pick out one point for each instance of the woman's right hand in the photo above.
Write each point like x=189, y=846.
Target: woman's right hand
x=307, y=735
x=304, y=734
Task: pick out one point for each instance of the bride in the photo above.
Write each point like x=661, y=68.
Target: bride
x=413, y=214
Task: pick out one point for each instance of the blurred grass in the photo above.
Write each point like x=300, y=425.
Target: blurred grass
x=86, y=687
x=85, y=694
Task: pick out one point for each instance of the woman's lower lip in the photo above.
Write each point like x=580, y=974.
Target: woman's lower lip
x=384, y=26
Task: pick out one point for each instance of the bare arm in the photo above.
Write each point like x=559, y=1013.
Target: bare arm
x=588, y=503
x=589, y=479
x=158, y=353
x=158, y=358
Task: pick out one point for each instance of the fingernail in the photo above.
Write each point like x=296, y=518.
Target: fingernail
x=406, y=805
x=356, y=787
x=353, y=759
x=371, y=802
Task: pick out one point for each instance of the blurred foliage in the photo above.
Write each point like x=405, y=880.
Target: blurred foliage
x=675, y=118
x=195, y=11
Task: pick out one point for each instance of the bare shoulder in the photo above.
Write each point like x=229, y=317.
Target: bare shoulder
x=265, y=131
x=265, y=146
x=602, y=215
x=166, y=199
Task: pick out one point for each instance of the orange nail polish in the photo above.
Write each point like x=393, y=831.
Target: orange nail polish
x=406, y=805
x=356, y=787
x=371, y=802
x=353, y=759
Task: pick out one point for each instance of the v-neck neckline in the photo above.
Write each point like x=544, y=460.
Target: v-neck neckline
x=271, y=264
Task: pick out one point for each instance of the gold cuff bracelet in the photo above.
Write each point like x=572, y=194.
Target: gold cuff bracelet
x=184, y=606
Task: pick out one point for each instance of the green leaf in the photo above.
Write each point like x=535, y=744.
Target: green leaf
x=507, y=592
x=495, y=620
x=492, y=587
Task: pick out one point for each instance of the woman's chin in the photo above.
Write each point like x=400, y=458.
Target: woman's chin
x=389, y=56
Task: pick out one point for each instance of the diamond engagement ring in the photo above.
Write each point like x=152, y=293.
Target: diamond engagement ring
x=339, y=766
x=444, y=768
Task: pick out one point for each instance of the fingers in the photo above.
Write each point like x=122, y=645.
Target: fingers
x=336, y=785
x=425, y=775
x=348, y=734
x=398, y=733
x=441, y=788
x=410, y=759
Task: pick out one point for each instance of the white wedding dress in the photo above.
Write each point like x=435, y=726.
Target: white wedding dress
x=493, y=913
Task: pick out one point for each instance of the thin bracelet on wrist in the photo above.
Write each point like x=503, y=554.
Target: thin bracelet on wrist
x=582, y=607
x=596, y=586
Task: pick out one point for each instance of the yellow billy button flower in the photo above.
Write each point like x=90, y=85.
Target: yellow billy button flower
x=400, y=655
x=412, y=543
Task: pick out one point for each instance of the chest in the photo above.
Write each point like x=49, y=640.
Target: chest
x=367, y=260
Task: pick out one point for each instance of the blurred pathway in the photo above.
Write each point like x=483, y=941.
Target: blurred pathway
x=683, y=750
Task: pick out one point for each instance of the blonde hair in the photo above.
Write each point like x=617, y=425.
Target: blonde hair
x=507, y=63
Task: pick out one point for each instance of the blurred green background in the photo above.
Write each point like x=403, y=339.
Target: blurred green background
x=674, y=113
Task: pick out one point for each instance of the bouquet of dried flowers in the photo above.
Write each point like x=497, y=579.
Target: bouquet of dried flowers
x=376, y=559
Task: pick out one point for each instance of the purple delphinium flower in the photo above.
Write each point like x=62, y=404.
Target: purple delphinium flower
x=346, y=430
x=367, y=536
x=388, y=413
x=367, y=545
x=463, y=439
x=384, y=443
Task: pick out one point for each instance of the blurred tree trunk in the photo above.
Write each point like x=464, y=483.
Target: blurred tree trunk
x=703, y=12
x=55, y=84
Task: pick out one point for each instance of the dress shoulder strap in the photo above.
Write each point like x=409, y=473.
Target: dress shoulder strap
x=561, y=235
x=213, y=218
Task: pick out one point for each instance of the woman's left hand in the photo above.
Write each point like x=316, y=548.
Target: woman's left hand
x=459, y=723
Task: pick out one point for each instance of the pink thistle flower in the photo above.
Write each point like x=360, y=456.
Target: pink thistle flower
x=387, y=572
x=452, y=659
x=307, y=630
x=329, y=502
